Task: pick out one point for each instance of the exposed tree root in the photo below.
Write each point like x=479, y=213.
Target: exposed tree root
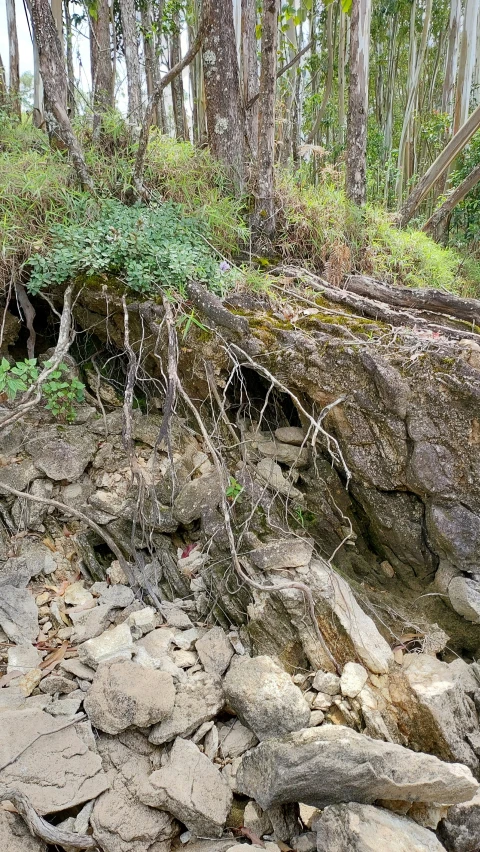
x=39, y=827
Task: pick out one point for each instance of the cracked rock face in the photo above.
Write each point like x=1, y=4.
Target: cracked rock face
x=362, y=828
x=124, y=694
x=123, y=824
x=196, y=701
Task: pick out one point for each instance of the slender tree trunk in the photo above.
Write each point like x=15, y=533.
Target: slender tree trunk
x=3, y=85
x=341, y=77
x=452, y=57
x=225, y=114
x=284, y=135
x=434, y=224
x=38, y=94
x=265, y=188
x=356, y=164
x=101, y=62
x=70, y=71
x=178, y=95
x=249, y=71
x=13, y=60
x=454, y=147
x=130, y=41
x=328, y=83
x=52, y=69
x=468, y=42
x=149, y=51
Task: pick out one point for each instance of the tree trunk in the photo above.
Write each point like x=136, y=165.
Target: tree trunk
x=13, y=60
x=149, y=51
x=341, y=77
x=454, y=147
x=38, y=95
x=468, y=43
x=101, y=61
x=52, y=69
x=249, y=71
x=328, y=83
x=452, y=57
x=356, y=165
x=225, y=114
x=3, y=85
x=70, y=71
x=130, y=42
x=264, y=197
x=434, y=224
x=178, y=95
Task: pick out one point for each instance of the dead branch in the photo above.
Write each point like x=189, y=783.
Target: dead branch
x=39, y=827
x=29, y=314
x=33, y=395
x=282, y=71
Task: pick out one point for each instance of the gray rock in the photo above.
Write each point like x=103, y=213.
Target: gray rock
x=196, y=497
x=18, y=475
x=18, y=615
x=113, y=643
x=284, y=553
x=175, y=617
x=235, y=739
x=63, y=454
x=15, y=836
x=326, y=682
x=124, y=694
x=464, y=594
x=197, y=700
x=353, y=679
x=48, y=761
x=284, y=453
x=23, y=658
x=363, y=828
x=118, y=596
x=121, y=823
x=78, y=669
x=460, y=830
x=272, y=474
x=265, y=699
x=215, y=651
x=65, y=706
x=331, y=764
x=57, y=683
x=291, y=435
x=29, y=515
x=191, y=788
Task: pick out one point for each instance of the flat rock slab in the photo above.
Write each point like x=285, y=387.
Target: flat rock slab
x=198, y=700
x=18, y=615
x=331, y=764
x=363, y=828
x=124, y=694
x=123, y=824
x=111, y=644
x=46, y=759
x=284, y=553
x=215, y=651
x=191, y=788
x=15, y=836
x=63, y=455
x=265, y=698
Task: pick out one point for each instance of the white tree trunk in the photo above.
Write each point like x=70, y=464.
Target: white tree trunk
x=13, y=60
x=356, y=166
x=468, y=43
x=452, y=57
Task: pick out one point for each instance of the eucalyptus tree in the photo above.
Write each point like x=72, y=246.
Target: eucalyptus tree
x=356, y=165
x=13, y=60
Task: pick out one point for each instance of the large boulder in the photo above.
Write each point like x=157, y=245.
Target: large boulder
x=124, y=694
x=332, y=764
x=265, y=699
x=363, y=828
x=191, y=788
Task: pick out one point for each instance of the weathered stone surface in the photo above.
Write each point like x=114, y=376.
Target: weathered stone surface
x=15, y=836
x=62, y=454
x=284, y=553
x=363, y=828
x=53, y=767
x=235, y=739
x=443, y=699
x=284, y=453
x=326, y=682
x=29, y=515
x=265, y=699
x=331, y=764
x=460, y=830
x=195, y=498
x=23, y=658
x=124, y=694
x=197, y=700
x=113, y=643
x=18, y=615
x=271, y=473
x=57, y=683
x=291, y=435
x=18, y=475
x=464, y=594
x=123, y=824
x=76, y=594
x=191, y=788
x=353, y=679
x=215, y=651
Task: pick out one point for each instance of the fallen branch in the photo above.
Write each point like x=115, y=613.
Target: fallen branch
x=39, y=827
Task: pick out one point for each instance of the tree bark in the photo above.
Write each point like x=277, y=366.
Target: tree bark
x=225, y=114
x=456, y=144
x=52, y=69
x=3, y=84
x=452, y=57
x=13, y=61
x=328, y=83
x=149, y=51
x=178, y=95
x=101, y=61
x=356, y=165
x=341, y=77
x=468, y=42
x=249, y=71
x=130, y=42
x=434, y=224
x=264, y=220
x=70, y=71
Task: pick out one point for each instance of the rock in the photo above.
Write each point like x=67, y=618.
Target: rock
x=78, y=669
x=235, y=739
x=57, y=683
x=76, y=594
x=116, y=574
x=121, y=823
x=50, y=762
x=113, y=643
x=285, y=553
x=284, y=453
x=118, y=596
x=63, y=454
x=15, y=836
x=460, y=830
x=90, y=623
x=331, y=764
x=175, y=617
x=18, y=615
x=191, y=788
x=363, y=828
x=29, y=515
x=215, y=651
x=256, y=820
x=291, y=435
x=23, y=658
x=464, y=594
x=143, y=621
x=265, y=699
x=326, y=682
x=156, y=644
x=197, y=700
x=184, y=659
x=353, y=679
x=271, y=473
x=124, y=694
x=65, y=706
x=195, y=498
x=305, y=842
x=443, y=702
x=186, y=639
x=18, y=475
x=317, y=717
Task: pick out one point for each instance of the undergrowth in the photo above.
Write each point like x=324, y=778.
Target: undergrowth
x=44, y=214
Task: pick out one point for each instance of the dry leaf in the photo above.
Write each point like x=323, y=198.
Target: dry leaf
x=81, y=607
x=256, y=840
x=54, y=657
x=48, y=542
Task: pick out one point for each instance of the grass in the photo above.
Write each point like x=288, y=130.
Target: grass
x=317, y=227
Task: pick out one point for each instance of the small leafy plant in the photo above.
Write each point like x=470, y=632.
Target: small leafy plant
x=59, y=392
x=233, y=489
